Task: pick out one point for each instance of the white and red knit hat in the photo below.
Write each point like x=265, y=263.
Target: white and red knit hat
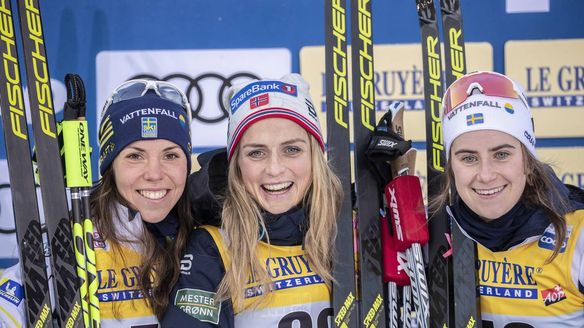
x=287, y=97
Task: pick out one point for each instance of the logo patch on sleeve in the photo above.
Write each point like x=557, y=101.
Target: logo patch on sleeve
x=199, y=304
x=12, y=291
x=548, y=239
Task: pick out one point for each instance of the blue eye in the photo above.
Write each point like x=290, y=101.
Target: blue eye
x=468, y=159
x=293, y=149
x=255, y=153
x=501, y=155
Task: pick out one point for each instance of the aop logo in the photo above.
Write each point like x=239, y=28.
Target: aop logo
x=199, y=89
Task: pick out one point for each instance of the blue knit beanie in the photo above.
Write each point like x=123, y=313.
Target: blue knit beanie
x=143, y=118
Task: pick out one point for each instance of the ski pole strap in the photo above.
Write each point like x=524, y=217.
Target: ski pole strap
x=76, y=99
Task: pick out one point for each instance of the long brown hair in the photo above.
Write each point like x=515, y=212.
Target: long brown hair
x=159, y=266
x=242, y=220
x=540, y=192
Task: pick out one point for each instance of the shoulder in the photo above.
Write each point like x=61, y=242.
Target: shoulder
x=575, y=219
x=201, y=242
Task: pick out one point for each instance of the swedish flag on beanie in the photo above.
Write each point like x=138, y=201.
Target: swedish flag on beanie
x=482, y=112
x=287, y=98
x=144, y=118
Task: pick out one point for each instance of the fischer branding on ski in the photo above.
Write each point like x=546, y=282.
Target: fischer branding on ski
x=465, y=280
x=54, y=197
x=440, y=268
x=372, y=307
x=337, y=83
x=454, y=54
x=20, y=170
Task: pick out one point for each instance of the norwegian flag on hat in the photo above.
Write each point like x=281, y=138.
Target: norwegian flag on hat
x=260, y=100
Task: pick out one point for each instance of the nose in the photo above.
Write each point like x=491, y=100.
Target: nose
x=487, y=171
x=153, y=170
x=275, y=166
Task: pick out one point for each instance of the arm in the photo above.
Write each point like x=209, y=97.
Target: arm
x=192, y=302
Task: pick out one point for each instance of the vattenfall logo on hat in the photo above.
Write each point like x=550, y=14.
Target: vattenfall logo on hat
x=495, y=105
x=149, y=127
x=254, y=89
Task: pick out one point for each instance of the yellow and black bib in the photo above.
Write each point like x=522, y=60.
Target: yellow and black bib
x=298, y=294
x=517, y=287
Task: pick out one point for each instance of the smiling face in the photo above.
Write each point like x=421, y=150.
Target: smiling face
x=489, y=171
x=151, y=175
x=275, y=162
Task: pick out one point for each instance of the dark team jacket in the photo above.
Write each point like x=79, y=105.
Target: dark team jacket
x=191, y=301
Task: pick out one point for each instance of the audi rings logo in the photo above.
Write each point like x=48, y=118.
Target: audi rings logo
x=205, y=92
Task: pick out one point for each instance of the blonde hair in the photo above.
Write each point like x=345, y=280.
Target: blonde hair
x=242, y=222
x=540, y=192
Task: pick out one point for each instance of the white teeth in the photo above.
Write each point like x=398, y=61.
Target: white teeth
x=277, y=186
x=487, y=192
x=153, y=194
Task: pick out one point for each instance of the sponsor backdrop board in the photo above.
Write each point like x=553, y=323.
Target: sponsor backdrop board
x=398, y=77
x=204, y=76
x=552, y=74
x=201, y=38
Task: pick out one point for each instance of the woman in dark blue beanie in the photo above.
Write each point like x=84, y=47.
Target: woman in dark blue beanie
x=139, y=206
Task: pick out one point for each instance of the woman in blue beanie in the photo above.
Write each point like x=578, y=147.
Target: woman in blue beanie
x=140, y=208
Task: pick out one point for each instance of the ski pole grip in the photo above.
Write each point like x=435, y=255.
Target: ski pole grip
x=407, y=213
x=393, y=262
x=77, y=152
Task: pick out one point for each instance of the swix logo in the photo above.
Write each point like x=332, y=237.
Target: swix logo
x=402, y=263
x=553, y=295
x=395, y=214
x=387, y=143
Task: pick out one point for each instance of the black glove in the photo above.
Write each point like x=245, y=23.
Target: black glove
x=385, y=146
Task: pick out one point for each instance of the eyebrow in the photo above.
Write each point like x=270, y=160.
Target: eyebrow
x=497, y=148
x=144, y=150
x=288, y=142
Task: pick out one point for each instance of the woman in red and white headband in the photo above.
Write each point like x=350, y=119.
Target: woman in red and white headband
x=528, y=226
x=270, y=260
